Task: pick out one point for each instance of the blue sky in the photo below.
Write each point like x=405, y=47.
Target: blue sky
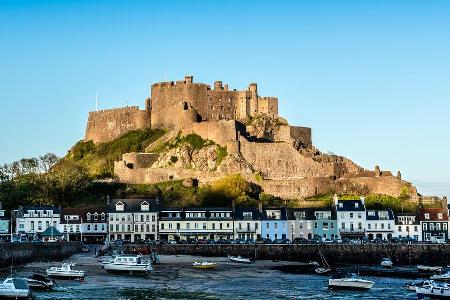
x=371, y=78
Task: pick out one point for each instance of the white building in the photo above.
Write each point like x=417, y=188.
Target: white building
x=351, y=218
x=247, y=223
x=380, y=224
x=33, y=220
x=196, y=223
x=133, y=219
x=89, y=225
x=4, y=224
x=407, y=225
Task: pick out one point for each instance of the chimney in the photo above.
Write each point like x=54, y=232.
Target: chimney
x=362, y=199
x=260, y=207
x=233, y=206
x=335, y=199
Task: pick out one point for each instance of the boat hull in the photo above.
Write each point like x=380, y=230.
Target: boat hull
x=432, y=293
x=65, y=275
x=131, y=269
x=349, y=285
x=21, y=294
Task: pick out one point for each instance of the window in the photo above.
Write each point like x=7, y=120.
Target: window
x=399, y=228
x=369, y=226
x=153, y=228
x=96, y=216
x=356, y=205
x=382, y=225
x=431, y=226
x=214, y=225
x=147, y=218
x=88, y=216
x=415, y=229
x=103, y=216
x=153, y=217
x=111, y=227
x=220, y=225
x=351, y=215
x=89, y=227
x=267, y=225
x=332, y=225
x=188, y=226
x=276, y=226
x=359, y=225
x=142, y=218
x=343, y=225
x=438, y=226
x=359, y=215
x=371, y=213
x=427, y=216
x=117, y=227
x=424, y=226
x=162, y=225
x=256, y=226
x=315, y=225
x=32, y=225
x=204, y=225
x=439, y=216
x=444, y=226
x=325, y=226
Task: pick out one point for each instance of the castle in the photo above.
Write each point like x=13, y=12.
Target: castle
x=260, y=144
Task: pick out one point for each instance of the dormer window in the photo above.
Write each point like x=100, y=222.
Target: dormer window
x=96, y=216
x=427, y=216
x=439, y=216
x=145, y=206
x=341, y=205
x=103, y=216
x=120, y=206
x=356, y=205
x=88, y=216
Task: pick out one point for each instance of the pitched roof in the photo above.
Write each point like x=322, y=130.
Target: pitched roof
x=133, y=205
x=433, y=214
x=283, y=214
x=51, y=231
x=350, y=205
x=239, y=213
x=376, y=215
x=82, y=213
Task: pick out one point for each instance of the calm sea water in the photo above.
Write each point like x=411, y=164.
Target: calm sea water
x=280, y=286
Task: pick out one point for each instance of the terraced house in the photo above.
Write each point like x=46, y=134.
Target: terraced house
x=33, y=220
x=247, y=223
x=407, y=225
x=133, y=219
x=351, y=218
x=380, y=224
x=300, y=223
x=325, y=224
x=434, y=224
x=196, y=223
x=274, y=224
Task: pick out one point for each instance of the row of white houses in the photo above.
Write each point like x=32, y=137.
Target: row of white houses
x=144, y=219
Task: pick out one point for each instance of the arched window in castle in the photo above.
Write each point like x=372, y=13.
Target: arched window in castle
x=185, y=106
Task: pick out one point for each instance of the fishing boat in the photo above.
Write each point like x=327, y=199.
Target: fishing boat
x=325, y=269
x=386, y=262
x=352, y=282
x=413, y=286
x=129, y=264
x=204, y=265
x=39, y=282
x=423, y=268
x=14, y=288
x=433, y=291
x=441, y=277
x=65, y=272
x=240, y=259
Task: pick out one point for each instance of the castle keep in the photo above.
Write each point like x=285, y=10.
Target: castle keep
x=260, y=144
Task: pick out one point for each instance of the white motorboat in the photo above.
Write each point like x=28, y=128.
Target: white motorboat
x=386, y=262
x=129, y=264
x=240, y=259
x=433, y=291
x=65, y=272
x=413, y=286
x=204, y=265
x=350, y=283
x=39, y=282
x=441, y=277
x=423, y=268
x=14, y=288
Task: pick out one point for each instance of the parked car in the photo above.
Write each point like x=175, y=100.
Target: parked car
x=85, y=248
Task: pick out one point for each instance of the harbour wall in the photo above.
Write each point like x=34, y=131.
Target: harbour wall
x=400, y=254
x=21, y=253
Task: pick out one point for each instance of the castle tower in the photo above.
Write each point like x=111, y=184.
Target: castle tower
x=253, y=89
x=218, y=86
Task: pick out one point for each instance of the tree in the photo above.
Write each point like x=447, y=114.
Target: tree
x=47, y=161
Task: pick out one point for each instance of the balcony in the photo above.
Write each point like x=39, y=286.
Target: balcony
x=251, y=229
x=352, y=231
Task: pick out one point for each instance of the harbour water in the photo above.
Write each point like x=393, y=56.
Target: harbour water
x=174, y=278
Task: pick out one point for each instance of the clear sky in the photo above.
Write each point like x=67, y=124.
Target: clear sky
x=372, y=78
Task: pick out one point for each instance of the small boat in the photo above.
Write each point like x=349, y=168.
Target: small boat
x=14, y=288
x=413, y=286
x=204, y=265
x=441, y=277
x=65, y=272
x=352, y=282
x=39, y=282
x=129, y=264
x=386, y=262
x=326, y=267
x=434, y=291
x=423, y=268
x=240, y=259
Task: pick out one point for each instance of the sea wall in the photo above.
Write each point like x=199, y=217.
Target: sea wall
x=20, y=253
x=401, y=254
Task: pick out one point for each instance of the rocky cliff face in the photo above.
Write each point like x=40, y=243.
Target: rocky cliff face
x=277, y=167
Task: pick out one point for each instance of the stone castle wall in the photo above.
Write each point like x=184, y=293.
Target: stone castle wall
x=221, y=132
x=107, y=125
x=139, y=160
